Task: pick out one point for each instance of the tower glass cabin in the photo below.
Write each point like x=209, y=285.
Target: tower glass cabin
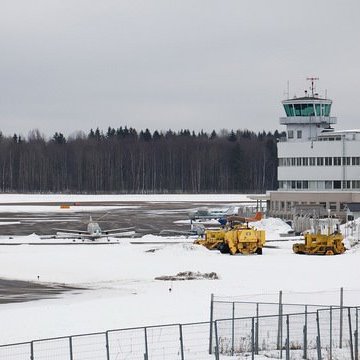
x=307, y=117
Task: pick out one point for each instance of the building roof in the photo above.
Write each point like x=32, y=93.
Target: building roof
x=351, y=131
x=331, y=133
x=306, y=98
x=262, y=197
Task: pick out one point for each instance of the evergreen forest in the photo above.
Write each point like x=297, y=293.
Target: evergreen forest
x=124, y=160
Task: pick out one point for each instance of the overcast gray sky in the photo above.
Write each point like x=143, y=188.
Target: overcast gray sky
x=68, y=65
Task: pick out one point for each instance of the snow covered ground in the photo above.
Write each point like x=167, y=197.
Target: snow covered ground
x=121, y=290
x=75, y=198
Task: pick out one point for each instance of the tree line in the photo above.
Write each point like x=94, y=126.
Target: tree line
x=124, y=160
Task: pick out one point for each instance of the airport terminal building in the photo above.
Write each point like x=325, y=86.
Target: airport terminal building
x=316, y=164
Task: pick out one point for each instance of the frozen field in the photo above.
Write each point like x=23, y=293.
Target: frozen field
x=121, y=290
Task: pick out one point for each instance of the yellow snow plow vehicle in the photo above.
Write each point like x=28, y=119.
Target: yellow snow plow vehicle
x=239, y=239
x=323, y=239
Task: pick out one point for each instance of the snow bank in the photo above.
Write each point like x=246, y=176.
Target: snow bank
x=273, y=227
x=351, y=232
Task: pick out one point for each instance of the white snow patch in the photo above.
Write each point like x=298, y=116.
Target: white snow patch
x=14, y=198
x=10, y=223
x=273, y=227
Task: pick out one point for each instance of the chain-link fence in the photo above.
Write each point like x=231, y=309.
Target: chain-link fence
x=176, y=341
x=230, y=308
x=327, y=333
x=221, y=308
x=339, y=332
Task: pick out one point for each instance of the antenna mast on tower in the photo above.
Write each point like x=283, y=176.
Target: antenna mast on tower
x=312, y=79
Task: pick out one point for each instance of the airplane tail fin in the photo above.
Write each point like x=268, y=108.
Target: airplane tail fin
x=258, y=216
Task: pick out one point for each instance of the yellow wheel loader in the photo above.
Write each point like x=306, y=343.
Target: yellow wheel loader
x=239, y=239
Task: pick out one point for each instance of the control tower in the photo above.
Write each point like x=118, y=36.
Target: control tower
x=308, y=116
x=317, y=165
x=313, y=156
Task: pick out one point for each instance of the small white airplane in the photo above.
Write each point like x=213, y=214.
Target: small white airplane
x=205, y=213
x=94, y=231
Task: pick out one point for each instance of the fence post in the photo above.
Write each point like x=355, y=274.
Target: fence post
x=70, y=348
x=217, y=354
x=287, y=337
x=279, y=337
x=181, y=342
x=233, y=329
x=211, y=322
x=32, y=350
x=257, y=330
x=305, y=335
x=331, y=332
x=318, y=337
x=356, y=341
x=350, y=330
x=318, y=348
x=107, y=345
x=341, y=316
x=252, y=338
x=356, y=336
x=146, y=355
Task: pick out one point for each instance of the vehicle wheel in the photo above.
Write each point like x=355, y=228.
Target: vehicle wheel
x=224, y=248
x=259, y=251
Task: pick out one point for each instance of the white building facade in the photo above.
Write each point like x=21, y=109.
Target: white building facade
x=316, y=164
x=331, y=162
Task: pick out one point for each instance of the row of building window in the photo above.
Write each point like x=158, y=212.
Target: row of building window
x=319, y=185
x=288, y=205
x=320, y=161
x=331, y=138
x=348, y=136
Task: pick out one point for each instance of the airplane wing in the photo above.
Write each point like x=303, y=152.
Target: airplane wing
x=173, y=232
x=111, y=231
x=114, y=235
x=67, y=231
x=231, y=211
x=177, y=232
x=123, y=234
